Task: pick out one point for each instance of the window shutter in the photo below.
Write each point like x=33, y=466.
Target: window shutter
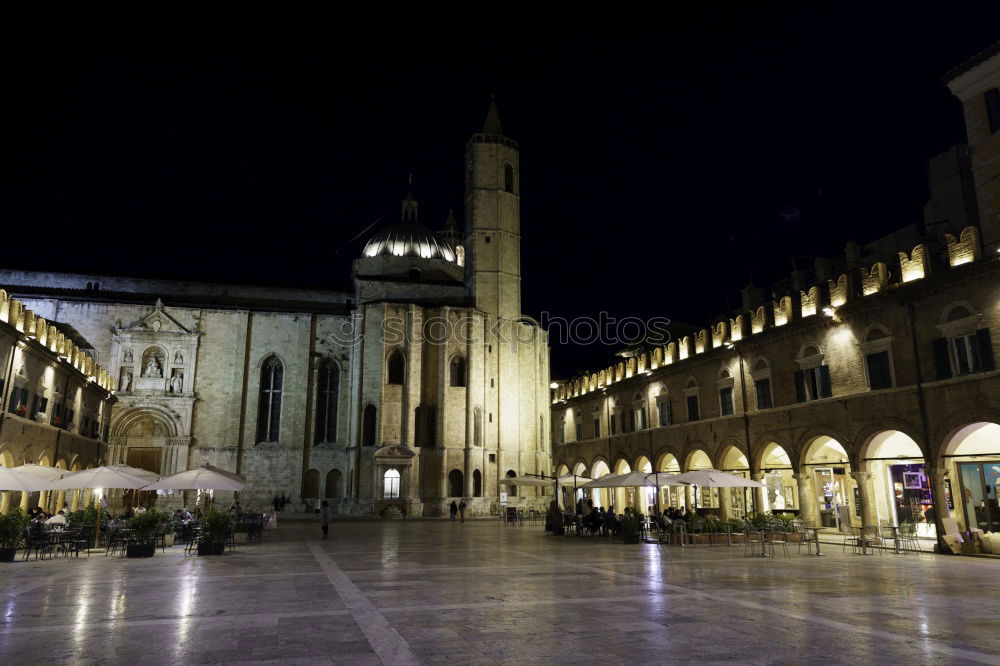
x=692, y=404
x=800, y=386
x=879, y=376
x=985, y=344
x=941, y=362
x=825, y=387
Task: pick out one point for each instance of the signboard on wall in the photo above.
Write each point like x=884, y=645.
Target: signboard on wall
x=503, y=497
x=857, y=502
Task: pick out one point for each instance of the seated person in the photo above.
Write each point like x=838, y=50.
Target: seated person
x=611, y=521
x=58, y=519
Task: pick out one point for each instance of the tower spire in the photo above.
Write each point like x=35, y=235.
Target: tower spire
x=409, y=203
x=492, y=124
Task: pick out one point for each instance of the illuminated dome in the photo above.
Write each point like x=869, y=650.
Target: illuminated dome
x=408, y=240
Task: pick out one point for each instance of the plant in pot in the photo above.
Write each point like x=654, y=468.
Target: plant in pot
x=85, y=519
x=142, y=542
x=215, y=528
x=12, y=529
x=169, y=529
x=554, y=520
x=630, y=528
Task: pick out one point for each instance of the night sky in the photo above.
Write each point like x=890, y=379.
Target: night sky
x=666, y=156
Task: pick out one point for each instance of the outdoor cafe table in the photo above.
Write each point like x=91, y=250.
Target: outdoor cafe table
x=895, y=539
x=815, y=531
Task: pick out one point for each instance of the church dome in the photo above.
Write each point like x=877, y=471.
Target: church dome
x=408, y=240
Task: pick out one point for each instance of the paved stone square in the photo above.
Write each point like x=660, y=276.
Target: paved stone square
x=440, y=592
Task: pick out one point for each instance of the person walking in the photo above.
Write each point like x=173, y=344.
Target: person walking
x=326, y=515
x=453, y=510
x=318, y=508
x=461, y=511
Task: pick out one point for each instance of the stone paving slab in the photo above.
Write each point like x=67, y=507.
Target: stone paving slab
x=437, y=592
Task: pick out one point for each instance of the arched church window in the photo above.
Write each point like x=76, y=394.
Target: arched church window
x=455, y=484
x=328, y=395
x=368, y=426
x=390, y=484
x=396, y=368
x=269, y=402
x=477, y=484
x=457, y=371
x=460, y=255
x=508, y=178
x=512, y=490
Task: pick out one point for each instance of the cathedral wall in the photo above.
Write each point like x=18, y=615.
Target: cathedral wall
x=277, y=466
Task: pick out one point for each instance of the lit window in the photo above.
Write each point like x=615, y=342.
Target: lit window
x=390, y=484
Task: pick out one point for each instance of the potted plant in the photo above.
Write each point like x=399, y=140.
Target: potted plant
x=142, y=542
x=12, y=528
x=170, y=533
x=86, y=520
x=630, y=528
x=554, y=520
x=215, y=528
x=21, y=410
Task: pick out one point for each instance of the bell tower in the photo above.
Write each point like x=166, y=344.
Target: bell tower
x=493, y=220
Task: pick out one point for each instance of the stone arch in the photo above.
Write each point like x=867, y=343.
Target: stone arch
x=621, y=465
x=456, y=480
x=810, y=435
x=765, y=448
x=880, y=329
x=334, y=483
x=863, y=439
x=477, y=483
x=947, y=311
x=395, y=367
x=310, y=484
x=814, y=444
x=697, y=458
x=147, y=367
x=264, y=358
x=562, y=469
x=732, y=456
x=950, y=425
x=600, y=463
x=146, y=418
x=668, y=461
x=641, y=462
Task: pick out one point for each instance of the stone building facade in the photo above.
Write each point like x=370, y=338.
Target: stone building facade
x=424, y=386
x=864, y=392
x=55, y=401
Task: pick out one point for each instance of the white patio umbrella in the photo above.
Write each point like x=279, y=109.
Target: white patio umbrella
x=525, y=481
x=205, y=477
x=713, y=478
x=28, y=481
x=634, y=480
x=109, y=476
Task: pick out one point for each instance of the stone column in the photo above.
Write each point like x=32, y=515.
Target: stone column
x=759, y=494
x=467, y=476
x=937, y=476
x=807, y=500
x=868, y=514
x=24, y=501
x=74, y=502
x=725, y=500
x=5, y=501
x=60, y=501
x=43, y=499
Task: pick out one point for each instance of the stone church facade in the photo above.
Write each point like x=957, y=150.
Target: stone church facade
x=423, y=386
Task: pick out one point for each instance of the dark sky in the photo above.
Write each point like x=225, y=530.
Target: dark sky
x=666, y=154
